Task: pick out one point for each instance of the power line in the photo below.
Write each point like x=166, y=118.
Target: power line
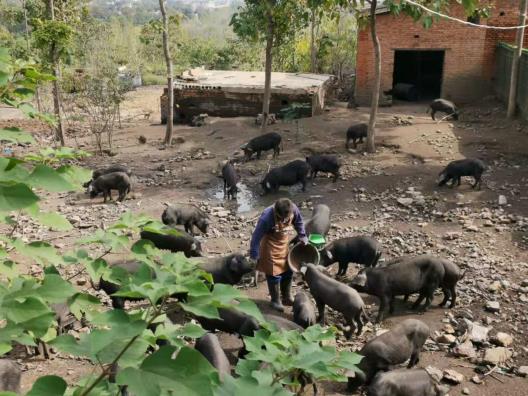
x=462, y=21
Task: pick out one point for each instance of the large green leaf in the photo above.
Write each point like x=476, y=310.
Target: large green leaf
x=54, y=289
x=24, y=309
x=49, y=179
x=16, y=196
x=75, y=175
x=15, y=135
x=41, y=252
x=53, y=220
x=248, y=386
x=49, y=385
x=189, y=374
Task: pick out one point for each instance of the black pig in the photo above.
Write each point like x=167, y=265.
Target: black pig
x=268, y=141
x=183, y=242
x=303, y=310
x=231, y=179
x=465, y=167
x=359, y=249
x=419, y=275
x=292, y=173
x=342, y=298
x=443, y=106
x=209, y=346
x=404, y=341
x=356, y=133
x=111, y=181
x=186, y=215
x=324, y=163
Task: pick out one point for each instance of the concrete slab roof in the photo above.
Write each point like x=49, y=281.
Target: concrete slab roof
x=251, y=81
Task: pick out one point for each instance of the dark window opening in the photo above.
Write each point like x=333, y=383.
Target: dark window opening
x=417, y=75
x=502, y=13
x=284, y=102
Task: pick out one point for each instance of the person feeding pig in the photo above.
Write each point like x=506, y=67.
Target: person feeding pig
x=269, y=247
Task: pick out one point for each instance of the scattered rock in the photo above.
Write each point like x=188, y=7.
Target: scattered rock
x=466, y=350
x=502, y=339
x=453, y=376
x=497, y=355
x=522, y=371
x=502, y=200
x=478, y=334
x=492, y=306
x=405, y=201
x=465, y=391
x=81, y=281
x=476, y=379
x=435, y=373
x=446, y=339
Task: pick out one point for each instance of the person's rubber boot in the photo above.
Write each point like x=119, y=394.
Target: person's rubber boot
x=275, y=299
x=286, y=293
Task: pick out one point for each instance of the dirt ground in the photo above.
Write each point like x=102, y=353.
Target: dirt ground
x=465, y=225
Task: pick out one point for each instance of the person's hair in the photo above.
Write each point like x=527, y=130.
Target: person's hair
x=283, y=208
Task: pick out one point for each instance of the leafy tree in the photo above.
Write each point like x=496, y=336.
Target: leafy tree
x=271, y=21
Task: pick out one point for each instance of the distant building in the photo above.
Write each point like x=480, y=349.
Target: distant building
x=239, y=93
x=449, y=60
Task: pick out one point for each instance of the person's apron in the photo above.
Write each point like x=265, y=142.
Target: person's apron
x=273, y=249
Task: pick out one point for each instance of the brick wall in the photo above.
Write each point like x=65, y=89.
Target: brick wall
x=469, y=52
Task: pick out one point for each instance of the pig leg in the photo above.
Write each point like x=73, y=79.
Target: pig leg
x=225, y=188
x=355, y=143
x=359, y=322
x=352, y=326
x=258, y=154
x=415, y=358
x=276, y=151
x=417, y=303
x=477, y=181
x=391, y=304
x=453, y=297
x=303, y=182
x=347, y=144
x=189, y=228
x=447, y=294
x=384, y=301
x=336, y=175
x=321, y=310
x=343, y=268
x=433, y=115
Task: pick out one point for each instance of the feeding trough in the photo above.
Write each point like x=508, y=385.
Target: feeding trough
x=302, y=254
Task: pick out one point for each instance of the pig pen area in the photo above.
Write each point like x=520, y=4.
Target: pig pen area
x=391, y=195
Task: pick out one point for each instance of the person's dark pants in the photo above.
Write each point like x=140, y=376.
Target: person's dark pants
x=274, y=279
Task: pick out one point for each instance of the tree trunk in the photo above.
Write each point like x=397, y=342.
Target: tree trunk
x=267, y=76
x=371, y=145
x=170, y=83
x=312, y=42
x=59, y=134
x=514, y=77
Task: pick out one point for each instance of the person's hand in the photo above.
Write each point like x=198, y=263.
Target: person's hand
x=304, y=241
x=252, y=262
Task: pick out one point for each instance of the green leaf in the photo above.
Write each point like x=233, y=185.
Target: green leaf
x=244, y=386
x=82, y=303
x=49, y=179
x=41, y=252
x=5, y=348
x=15, y=135
x=16, y=196
x=8, y=268
x=189, y=374
x=75, y=175
x=53, y=220
x=49, y=385
x=175, y=333
x=24, y=309
x=54, y=289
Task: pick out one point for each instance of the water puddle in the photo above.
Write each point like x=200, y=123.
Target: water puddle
x=246, y=199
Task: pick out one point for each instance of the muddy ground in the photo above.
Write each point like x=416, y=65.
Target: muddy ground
x=467, y=226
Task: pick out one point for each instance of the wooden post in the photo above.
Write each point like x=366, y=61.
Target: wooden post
x=170, y=83
x=517, y=54
x=371, y=145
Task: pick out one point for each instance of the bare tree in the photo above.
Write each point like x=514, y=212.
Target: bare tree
x=371, y=134
x=512, y=98
x=170, y=83
x=267, y=72
x=59, y=134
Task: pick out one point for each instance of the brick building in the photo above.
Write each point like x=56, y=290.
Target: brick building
x=449, y=60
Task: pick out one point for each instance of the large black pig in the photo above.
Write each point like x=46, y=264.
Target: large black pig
x=292, y=173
